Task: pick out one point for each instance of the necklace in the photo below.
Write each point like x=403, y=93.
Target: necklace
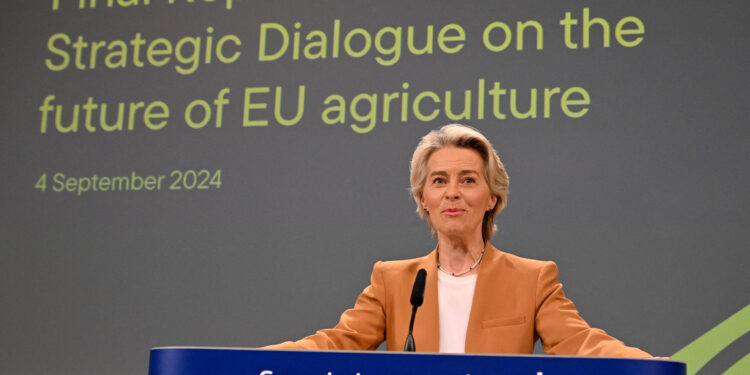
x=462, y=272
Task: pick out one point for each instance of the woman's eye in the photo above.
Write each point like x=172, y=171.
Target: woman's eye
x=438, y=180
x=469, y=180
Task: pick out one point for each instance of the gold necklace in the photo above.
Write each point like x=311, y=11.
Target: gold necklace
x=455, y=274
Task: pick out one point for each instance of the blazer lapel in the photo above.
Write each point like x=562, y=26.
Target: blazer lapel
x=487, y=279
x=427, y=323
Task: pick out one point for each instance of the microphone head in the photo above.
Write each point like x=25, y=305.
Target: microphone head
x=417, y=293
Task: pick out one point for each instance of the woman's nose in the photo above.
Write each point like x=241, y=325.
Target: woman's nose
x=452, y=191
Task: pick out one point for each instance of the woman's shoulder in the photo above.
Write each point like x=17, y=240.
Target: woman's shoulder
x=521, y=263
x=404, y=264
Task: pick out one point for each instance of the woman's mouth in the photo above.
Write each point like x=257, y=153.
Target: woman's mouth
x=453, y=211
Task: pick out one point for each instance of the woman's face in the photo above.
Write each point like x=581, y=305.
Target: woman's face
x=456, y=194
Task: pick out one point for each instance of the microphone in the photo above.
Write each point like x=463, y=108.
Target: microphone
x=417, y=297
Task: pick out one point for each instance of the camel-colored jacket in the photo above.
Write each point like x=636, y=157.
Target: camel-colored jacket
x=516, y=301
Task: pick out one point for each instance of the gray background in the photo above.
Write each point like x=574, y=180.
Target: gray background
x=643, y=202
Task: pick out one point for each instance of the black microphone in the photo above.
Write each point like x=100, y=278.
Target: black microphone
x=417, y=297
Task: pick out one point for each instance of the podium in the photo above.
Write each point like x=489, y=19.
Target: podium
x=241, y=361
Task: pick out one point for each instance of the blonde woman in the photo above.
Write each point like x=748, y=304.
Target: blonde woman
x=477, y=298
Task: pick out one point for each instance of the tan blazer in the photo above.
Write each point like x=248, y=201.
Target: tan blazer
x=516, y=301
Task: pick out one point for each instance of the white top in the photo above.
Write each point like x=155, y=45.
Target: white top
x=454, y=306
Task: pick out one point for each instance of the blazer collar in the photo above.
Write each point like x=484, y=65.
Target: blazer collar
x=427, y=332
x=488, y=278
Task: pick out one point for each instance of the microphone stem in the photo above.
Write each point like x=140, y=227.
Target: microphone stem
x=413, y=314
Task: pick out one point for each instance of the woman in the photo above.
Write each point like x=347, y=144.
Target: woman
x=477, y=299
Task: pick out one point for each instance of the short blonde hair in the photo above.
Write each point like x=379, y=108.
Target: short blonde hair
x=462, y=136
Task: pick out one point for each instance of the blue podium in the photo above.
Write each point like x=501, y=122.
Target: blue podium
x=240, y=361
